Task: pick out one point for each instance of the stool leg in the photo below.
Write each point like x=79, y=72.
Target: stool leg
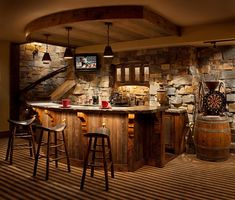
x=110, y=157
x=48, y=155
x=37, y=154
x=85, y=164
x=10, y=143
x=105, y=165
x=30, y=142
x=33, y=151
x=93, y=157
x=66, y=152
x=56, y=149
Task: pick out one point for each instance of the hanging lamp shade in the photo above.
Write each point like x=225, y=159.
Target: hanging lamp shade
x=68, y=54
x=108, y=52
x=46, y=59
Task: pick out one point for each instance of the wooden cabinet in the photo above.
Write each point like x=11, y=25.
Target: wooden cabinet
x=174, y=126
x=132, y=74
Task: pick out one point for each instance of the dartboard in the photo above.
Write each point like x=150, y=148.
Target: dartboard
x=214, y=103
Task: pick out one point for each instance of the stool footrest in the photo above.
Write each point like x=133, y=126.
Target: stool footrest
x=22, y=146
x=107, y=158
x=23, y=135
x=97, y=164
x=95, y=150
x=55, y=159
x=57, y=145
x=100, y=145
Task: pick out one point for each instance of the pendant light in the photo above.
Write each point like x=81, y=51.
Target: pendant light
x=46, y=59
x=108, y=53
x=68, y=54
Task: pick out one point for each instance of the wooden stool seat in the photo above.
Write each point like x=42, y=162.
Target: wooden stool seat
x=101, y=156
x=59, y=145
x=20, y=129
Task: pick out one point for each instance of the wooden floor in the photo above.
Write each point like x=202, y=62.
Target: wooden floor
x=185, y=177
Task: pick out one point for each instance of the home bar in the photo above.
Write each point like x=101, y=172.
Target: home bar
x=136, y=133
x=113, y=100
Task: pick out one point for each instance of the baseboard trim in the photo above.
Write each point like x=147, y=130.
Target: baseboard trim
x=4, y=134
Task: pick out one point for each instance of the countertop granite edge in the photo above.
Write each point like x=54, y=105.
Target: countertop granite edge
x=91, y=108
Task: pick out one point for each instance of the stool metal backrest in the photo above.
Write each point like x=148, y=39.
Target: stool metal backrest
x=57, y=144
x=21, y=129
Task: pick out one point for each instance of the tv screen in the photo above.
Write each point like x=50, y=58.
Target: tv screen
x=86, y=62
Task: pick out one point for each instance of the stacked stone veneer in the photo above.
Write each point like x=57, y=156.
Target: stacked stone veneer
x=177, y=68
x=32, y=68
x=221, y=59
x=170, y=67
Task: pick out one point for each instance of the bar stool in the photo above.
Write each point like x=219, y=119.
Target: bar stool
x=98, y=155
x=20, y=129
x=59, y=146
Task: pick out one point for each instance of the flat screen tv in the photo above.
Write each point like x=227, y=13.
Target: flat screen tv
x=86, y=62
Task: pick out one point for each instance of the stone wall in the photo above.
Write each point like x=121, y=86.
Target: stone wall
x=221, y=59
x=179, y=69
x=170, y=67
x=32, y=69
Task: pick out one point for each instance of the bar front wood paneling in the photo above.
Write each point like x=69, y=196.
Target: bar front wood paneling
x=135, y=137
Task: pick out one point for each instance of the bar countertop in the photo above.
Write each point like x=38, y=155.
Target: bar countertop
x=97, y=108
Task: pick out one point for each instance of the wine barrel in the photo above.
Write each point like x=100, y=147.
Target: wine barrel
x=212, y=138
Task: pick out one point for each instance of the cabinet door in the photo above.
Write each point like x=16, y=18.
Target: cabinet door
x=174, y=125
x=132, y=74
x=180, y=122
x=168, y=132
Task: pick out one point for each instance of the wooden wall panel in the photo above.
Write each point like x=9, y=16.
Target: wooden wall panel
x=77, y=144
x=136, y=139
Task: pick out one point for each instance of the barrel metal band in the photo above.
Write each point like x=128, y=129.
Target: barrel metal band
x=227, y=130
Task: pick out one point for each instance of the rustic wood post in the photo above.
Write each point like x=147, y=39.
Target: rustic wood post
x=160, y=153
x=131, y=140
x=83, y=118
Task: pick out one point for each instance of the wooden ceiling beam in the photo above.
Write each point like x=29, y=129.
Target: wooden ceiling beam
x=164, y=26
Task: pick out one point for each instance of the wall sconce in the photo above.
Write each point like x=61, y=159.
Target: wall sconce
x=68, y=54
x=35, y=51
x=108, y=53
x=46, y=59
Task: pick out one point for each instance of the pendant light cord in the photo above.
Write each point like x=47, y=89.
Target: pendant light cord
x=47, y=44
x=68, y=29
x=68, y=37
x=108, y=25
x=47, y=35
x=108, y=34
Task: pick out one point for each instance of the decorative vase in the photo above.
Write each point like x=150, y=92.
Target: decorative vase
x=162, y=95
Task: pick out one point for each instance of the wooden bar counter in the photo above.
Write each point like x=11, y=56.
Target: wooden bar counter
x=136, y=132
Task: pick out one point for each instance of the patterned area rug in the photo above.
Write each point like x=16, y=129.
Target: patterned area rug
x=185, y=177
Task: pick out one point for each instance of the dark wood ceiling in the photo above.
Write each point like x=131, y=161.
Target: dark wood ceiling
x=197, y=20
x=129, y=23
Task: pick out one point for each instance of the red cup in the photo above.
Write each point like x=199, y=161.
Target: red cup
x=104, y=104
x=66, y=102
